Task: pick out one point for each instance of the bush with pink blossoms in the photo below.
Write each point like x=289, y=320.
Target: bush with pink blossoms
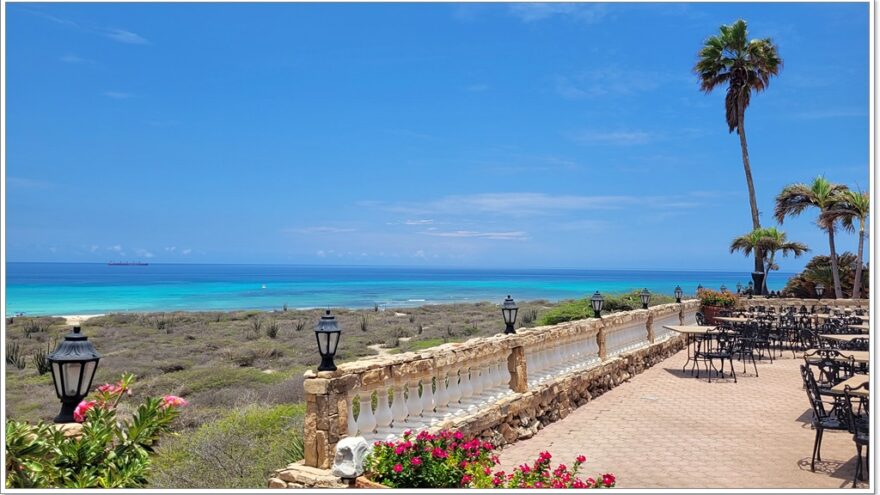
x=427, y=460
x=111, y=452
x=540, y=475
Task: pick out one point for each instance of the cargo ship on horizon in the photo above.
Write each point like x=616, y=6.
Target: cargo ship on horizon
x=127, y=263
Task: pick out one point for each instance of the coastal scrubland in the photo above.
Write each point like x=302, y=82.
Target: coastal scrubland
x=241, y=372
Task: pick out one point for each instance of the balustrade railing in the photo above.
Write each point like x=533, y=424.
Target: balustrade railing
x=380, y=397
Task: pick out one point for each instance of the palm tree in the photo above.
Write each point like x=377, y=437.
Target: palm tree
x=743, y=65
x=769, y=241
x=849, y=206
x=822, y=194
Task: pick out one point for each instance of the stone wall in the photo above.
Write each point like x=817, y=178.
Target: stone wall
x=576, y=361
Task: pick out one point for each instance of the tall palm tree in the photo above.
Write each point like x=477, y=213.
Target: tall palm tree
x=822, y=194
x=849, y=206
x=768, y=241
x=744, y=65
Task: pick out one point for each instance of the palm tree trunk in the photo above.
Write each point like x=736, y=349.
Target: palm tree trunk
x=753, y=201
x=835, y=271
x=857, y=280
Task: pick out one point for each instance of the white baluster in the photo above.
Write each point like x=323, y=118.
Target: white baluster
x=399, y=411
x=428, y=399
x=383, y=414
x=454, y=391
x=414, y=405
x=441, y=397
x=352, y=427
x=467, y=389
x=366, y=422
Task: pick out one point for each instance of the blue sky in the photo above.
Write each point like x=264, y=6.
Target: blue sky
x=526, y=135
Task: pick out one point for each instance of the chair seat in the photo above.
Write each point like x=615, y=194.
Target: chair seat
x=831, y=423
x=862, y=438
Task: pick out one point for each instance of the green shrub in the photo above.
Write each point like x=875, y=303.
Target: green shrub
x=576, y=309
x=272, y=329
x=712, y=298
x=239, y=450
x=111, y=452
x=14, y=356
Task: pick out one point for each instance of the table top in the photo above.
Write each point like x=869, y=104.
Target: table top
x=863, y=326
x=845, y=337
x=853, y=381
x=733, y=319
x=825, y=316
x=858, y=356
x=690, y=329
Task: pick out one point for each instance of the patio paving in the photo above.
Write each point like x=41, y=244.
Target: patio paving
x=666, y=429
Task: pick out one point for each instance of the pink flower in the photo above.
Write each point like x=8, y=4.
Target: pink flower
x=416, y=461
x=496, y=481
x=525, y=468
x=400, y=449
x=439, y=453
x=487, y=471
x=466, y=479
x=458, y=435
x=407, y=433
x=173, y=401
x=110, y=388
x=581, y=459
x=608, y=479
x=397, y=468
x=538, y=484
x=79, y=414
x=545, y=456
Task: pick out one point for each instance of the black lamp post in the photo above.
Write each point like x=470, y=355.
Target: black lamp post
x=751, y=288
x=73, y=363
x=820, y=289
x=327, y=332
x=645, y=296
x=678, y=293
x=723, y=288
x=508, y=311
x=699, y=288
x=739, y=288
x=597, y=301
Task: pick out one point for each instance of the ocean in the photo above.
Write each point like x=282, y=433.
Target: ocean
x=91, y=288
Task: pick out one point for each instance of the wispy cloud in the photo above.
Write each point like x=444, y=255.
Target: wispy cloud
x=611, y=81
x=612, y=138
x=118, y=95
x=124, y=36
x=418, y=222
x=26, y=183
x=115, y=34
x=74, y=59
x=144, y=253
x=186, y=251
x=529, y=204
x=470, y=234
x=477, y=88
x=582, y=12
x=318, y=230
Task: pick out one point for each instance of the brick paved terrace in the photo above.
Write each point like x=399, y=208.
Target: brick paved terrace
x=667, y=429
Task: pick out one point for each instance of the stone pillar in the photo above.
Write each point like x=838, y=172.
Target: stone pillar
x=326, y=417
x=600, y=341
x=516, y=365
x=649, y=325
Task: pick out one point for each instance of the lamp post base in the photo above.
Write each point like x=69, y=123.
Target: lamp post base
x=509, y=329
x=327, y=364
x=758, y=279
x=66, y=414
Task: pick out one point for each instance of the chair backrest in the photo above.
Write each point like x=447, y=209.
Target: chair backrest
x=813, y=394
x=851, y=415
x=833, y=366
x=857, y=344
x=701, y=320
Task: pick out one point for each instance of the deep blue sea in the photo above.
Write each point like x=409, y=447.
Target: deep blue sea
x=90, y=288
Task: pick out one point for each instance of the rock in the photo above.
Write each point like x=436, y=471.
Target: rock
x=349, y=460
x=277, y=483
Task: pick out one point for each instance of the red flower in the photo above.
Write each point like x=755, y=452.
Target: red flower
x=608, y=479
x=110, y=388
x=545, y=456
x=439, y=453
x=397, y=468
x=466, y=479
x=458, y=435
x=487, y=471
x=538, y=484
x=416, y=461
x=79, y=414
x=496, y=481
x=400, y=449
x=581, y=459
x=525, y=468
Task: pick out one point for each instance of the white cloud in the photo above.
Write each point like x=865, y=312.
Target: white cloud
x=612, y=138
x=477, y=88
x=124, y=36
x=318, y=230
x=171, y=249
x=612, y=81
x=321, y=253
x=498, y=236
x=831, y=113
x=583, y=12
x=74, y=59
x=117, y=95
x=186, y=251
x=419, y=222
x=144, y=253
x=117, y=248
x=93, y=248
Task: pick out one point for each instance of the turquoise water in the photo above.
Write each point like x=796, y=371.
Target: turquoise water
x=88, y=288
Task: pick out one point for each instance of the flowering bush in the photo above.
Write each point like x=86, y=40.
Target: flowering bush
x=539, y=475
x=446, y=460
x=710, y=297
x=427, y=460
x=109, y=453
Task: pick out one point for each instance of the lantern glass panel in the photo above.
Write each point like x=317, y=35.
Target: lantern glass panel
x=88, y=374
x=333, y=342
x=323, y=342
x=71, y=373
x=56, y=377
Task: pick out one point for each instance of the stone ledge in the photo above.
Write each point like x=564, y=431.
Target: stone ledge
x=298, y=475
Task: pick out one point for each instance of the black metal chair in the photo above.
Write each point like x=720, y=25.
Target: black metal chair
x=821, y=420
x=701, y=320
x=832, y=367
x=721, y=346
x=745, y=346
x=856, y=344
x=860, y=426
